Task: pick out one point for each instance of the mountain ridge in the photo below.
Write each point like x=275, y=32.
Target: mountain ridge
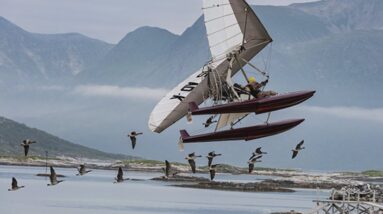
x=28, y=57
x=346, y=15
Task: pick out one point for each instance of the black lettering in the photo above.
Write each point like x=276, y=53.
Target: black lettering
x=203, y=74
x=189, y=87
x=179, y=97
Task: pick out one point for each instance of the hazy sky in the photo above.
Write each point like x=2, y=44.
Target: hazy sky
x=107, y=20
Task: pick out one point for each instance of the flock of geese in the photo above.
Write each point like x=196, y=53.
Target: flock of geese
x=82, y=170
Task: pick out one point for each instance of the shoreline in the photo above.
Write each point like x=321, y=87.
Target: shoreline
x=281, y=179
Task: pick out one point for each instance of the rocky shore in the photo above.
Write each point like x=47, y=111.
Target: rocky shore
x=302, y=185
x=281, y=180
x=204, y=183
x=269, y=185
x=181, y=178
x=232, y=186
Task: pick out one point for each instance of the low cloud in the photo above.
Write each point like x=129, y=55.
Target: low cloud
x=23, y=87
x=371, y=114
x=53, y=88
x=116, y=91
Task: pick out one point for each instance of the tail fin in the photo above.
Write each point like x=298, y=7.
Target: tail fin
x=193, y=106
x=184, y=134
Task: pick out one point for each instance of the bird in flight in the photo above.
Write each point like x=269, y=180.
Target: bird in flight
x=133, y=137
x=26, y=143
x=53, y=178
x=82, y=170
x=14, y=185
x=210, y=156
x=298, y=148
x=257, y=152
x=191, y=159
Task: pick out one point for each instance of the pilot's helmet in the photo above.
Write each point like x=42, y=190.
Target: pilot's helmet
x=252, y=80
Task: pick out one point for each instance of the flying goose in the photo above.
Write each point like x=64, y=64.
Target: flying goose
x=252, y=162
x=133, y=138
x=53, y=178
x=210, y=157
x=257, y=152
x=120, y=176
x=209, y=121
x=167, y=168
x=212, y=171
x=14, y=185
x=297, y=149
x=82, y=170
x=26, y=144
x=191, y=159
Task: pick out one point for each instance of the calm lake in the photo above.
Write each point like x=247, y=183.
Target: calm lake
x=95, y=193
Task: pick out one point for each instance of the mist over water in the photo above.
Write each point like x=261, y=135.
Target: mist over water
x=102, y=122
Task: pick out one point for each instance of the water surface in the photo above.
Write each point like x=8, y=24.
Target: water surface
x=95, y=193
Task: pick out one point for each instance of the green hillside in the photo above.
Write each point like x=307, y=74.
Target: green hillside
x=13, y=133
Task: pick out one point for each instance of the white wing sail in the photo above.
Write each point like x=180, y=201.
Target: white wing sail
x=229, y=25
x=222, y=28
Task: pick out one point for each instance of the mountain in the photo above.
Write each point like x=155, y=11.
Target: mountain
x=288, y=25
x=345, y=68
x=12, y=134
x=138, y=51
x=144, y=64
x=146, y=55
x=29, y=57
x=346, y=15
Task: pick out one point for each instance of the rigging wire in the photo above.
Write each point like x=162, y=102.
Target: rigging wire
x=267, y=61
x=245, y=28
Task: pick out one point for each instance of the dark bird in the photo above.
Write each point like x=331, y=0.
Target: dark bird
x=120, y=176
x=53, y=178
x=212, y=171
x=252, y=162
x=257, y=152
x=209, y=121
x=297, y=149
x=82, y=170
x=191, y=159
x=210, y=157
x=14, y=185
x=26, y=144
x=133, y=138
x=166, y=169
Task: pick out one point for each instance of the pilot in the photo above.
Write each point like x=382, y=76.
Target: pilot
x=255, y=89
